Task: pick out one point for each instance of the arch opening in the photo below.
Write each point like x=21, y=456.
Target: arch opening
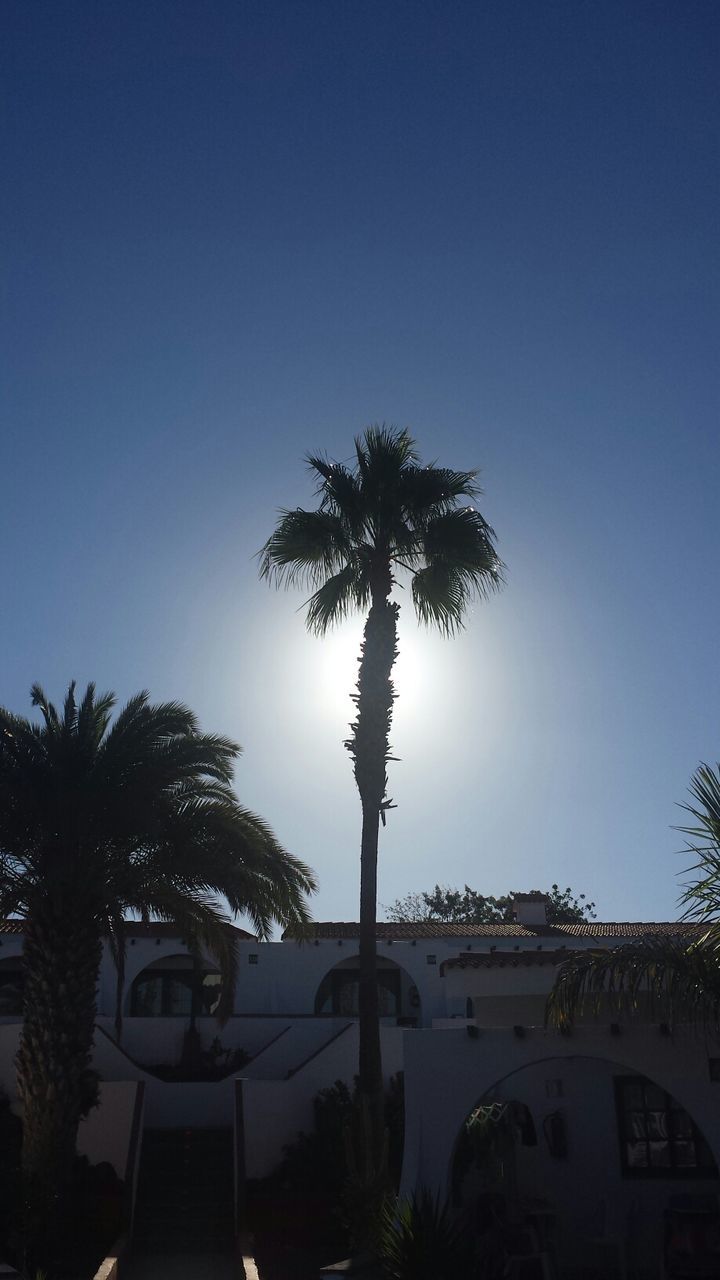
x=175, y=986
x=398, y=996
x=574, y=1154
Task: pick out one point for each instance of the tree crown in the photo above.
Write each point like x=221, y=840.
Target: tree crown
x=385, y=517
x=136, y=816
x=453, y=906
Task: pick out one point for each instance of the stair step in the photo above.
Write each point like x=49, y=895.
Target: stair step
x=175, y=1183
x=220, y=1245
x=185, y=1198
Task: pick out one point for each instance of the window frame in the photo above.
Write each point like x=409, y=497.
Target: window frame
x=672, y=1171
x=387, y=979
x=195, y=985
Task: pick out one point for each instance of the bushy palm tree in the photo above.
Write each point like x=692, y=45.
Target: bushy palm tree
x=676, y=976
x=385, y=518
x=98, y=819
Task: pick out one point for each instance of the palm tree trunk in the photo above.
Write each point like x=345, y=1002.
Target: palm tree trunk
x=369, y=747
x=56, y=1086
x=370, y=1056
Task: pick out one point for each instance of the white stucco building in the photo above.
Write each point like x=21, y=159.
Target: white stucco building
x=609, y=1124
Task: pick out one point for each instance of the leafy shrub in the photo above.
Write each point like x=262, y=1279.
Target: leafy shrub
x=420, y=1241
x=329, y=1167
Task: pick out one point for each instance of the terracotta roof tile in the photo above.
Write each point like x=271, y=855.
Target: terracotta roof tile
x=12, y=926
x=434, y=929
x=504, y=959
x=401, y=930
x=627, y=928
x=136, y=929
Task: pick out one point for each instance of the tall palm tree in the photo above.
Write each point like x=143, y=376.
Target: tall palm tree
x=97, y=819
x=677, y=975
x=385, y=518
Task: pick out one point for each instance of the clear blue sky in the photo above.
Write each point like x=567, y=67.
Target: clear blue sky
x=234, y=232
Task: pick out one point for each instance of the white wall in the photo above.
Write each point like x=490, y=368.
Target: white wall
x=287, y=1053
x=285, y=976
x=590, y=1181
x=274, y=1112
x=105, y=1134
x=447, y=1073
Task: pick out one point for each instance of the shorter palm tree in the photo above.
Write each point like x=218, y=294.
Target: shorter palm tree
x=674, y=977
x=98, y=820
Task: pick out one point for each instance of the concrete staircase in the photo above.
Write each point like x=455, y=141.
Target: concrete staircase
x=185, y=1197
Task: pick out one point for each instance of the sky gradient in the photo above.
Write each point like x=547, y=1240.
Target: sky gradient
x=236, y=232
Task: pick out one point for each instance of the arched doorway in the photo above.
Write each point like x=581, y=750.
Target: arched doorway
x=398, y=995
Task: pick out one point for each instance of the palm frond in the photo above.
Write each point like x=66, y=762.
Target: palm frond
x=70, y=710
x=382, y=453
x=332, y=602
x=425, y=490
x=465, y=540
x=701, y=894
x=305, y=547
x=668, y=979
x=94, y=716
x=204, y=926
x=49, y=712
x=440, y=596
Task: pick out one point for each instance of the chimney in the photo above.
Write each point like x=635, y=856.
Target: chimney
x=530, y=908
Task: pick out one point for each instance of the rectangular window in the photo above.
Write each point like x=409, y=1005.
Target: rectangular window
x=658, y=1139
